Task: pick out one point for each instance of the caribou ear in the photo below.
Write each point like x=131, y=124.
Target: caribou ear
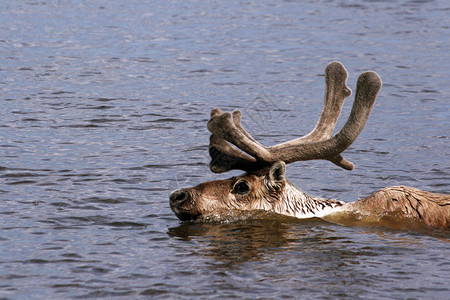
x=277, y=171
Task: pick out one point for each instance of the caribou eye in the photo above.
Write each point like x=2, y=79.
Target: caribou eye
x=241, y=187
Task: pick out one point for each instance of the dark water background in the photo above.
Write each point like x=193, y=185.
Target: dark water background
x=103, y=113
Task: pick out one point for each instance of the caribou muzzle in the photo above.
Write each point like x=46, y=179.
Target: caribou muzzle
x=180, y=203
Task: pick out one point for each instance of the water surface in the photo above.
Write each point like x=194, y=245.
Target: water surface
x=104, y=111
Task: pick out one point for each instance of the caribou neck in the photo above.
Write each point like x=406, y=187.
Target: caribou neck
x=297, y=204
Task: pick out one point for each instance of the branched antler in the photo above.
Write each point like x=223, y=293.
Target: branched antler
x=318, y=144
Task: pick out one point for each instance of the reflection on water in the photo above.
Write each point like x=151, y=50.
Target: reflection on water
x=104, y=111
x=247, y=237
x=236, y=242
x=287, y=255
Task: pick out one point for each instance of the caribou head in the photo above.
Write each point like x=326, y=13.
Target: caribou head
x=264, y=186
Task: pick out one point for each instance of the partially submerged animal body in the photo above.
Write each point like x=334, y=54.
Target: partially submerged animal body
x=274, y=193
x=264, y=186
x=402, y=201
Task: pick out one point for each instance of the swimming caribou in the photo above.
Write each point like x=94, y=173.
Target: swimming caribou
x=264, y=186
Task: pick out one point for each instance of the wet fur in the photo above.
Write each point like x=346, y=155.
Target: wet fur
x=274, y=193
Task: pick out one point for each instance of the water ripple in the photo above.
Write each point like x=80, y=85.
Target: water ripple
x=104, y=112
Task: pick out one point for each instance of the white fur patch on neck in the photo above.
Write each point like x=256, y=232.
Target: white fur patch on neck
x=297, y=204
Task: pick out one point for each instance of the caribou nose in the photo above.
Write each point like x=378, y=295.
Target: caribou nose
x=178, y=197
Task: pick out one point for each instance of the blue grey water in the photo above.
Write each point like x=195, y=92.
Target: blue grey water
x=103, y=113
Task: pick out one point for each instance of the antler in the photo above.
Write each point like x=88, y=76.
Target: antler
x=318, y=144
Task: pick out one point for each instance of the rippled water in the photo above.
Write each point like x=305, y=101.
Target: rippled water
x=104, y=110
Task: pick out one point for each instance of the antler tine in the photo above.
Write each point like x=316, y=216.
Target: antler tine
x=222, y=125
x=369, y=83
x=236, y=114
x=223, y=156
x=226, y=127
x=335, y=94
x=336, y=90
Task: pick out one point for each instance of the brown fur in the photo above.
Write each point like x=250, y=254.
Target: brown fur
x=273, y=193
x=215, y=197
x=265, y=187
x=431, y=209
